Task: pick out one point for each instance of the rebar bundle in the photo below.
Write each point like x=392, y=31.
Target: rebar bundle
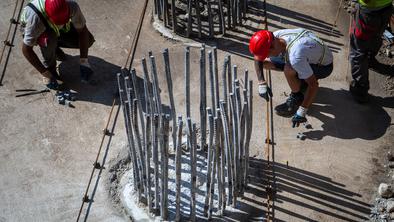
x=201, y=17
x=226, y=127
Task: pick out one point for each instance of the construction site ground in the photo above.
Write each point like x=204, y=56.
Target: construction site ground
x=47, y=150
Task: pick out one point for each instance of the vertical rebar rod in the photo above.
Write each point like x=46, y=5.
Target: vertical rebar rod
x=224, y=79
x=238, y=117
x=130, y=108
x=156, y=88
x=148, y=149
x=198, y=12
x=155, y=145
x=187, y=80
x=171, y=95
x=191, y=156
x=227, y=150
x=127, y=126
x=250, y=94
x=178, y=169
x=216, y=77
x=223, y=163
x=209, y=161
x=222, y=25
x=147, y=89
x=189, y=18
x=210, y=19
x=194, y=171
x=137, y=95
x=11, y=43
x=234, y=13
x=164, y=163
x=242, y=151
x=203, y=99
x=137, y=139
x=218, y=163
x=229, y=78
x=165, y=13
x=213, y=175
x=212, y=82
x=235, y=145
x=173, y=14
x=187, y=90
x=229, y=12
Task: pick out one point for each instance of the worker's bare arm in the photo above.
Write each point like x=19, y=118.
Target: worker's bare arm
x=32, y=57
x=313, y=86
x=83, y=41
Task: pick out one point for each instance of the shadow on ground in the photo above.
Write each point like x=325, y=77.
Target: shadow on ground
x=335, y=109
x=236, y=41
x=312, y=191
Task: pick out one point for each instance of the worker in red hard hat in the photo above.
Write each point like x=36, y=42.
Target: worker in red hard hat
x=52, y=24
x=303, y=58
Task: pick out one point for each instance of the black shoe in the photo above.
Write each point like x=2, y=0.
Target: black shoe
x=60, y=55
x=291, y=105
x=359, y=93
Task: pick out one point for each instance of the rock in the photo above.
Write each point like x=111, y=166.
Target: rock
x=390, y=206
x=385, y=190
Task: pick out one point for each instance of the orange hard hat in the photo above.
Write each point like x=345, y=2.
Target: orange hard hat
x=260, y=43
x=57, y=11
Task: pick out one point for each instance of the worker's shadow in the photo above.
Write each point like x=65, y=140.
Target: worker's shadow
x=343, y=118
x=103, y=86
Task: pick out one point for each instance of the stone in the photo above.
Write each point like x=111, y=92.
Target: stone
x=385, y=190
x=390, y=206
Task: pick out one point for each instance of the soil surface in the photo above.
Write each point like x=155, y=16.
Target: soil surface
x=47, y=150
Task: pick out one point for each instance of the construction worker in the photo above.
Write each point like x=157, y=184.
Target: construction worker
x=303, y=58
x=370, y=18
x=52, y=24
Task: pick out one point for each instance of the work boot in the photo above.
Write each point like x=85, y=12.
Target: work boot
x=359, y=93
x=60, y=55
x=291, y=105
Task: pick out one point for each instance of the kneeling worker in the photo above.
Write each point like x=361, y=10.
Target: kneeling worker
x=52, y=24
x=303, y=58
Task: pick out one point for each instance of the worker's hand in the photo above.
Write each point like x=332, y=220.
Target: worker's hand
x=299, y=117
x=86, y=70
x=265, y=91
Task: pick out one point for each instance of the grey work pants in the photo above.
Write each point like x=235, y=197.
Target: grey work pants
x=365, y=42
x=65, y=40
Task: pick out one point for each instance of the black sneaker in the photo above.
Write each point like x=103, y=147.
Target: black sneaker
x=359, y=94
x=291, y=105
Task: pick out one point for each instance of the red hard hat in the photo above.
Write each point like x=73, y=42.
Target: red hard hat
x=260, y=44
x=57, y=11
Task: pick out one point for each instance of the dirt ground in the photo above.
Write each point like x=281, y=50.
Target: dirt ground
x=47, y=150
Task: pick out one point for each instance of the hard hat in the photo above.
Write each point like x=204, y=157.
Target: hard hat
x=57, y=11
x=260, y=43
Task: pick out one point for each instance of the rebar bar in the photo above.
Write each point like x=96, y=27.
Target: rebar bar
x=214, y=163
x=189, y=18
x=197, y=5
x=148, y=149
x=212, y=82
x=155, y=151
x=11, y=44
x=210, y=19
x=203, y=99
x=216, y=77
x=171, y=95
x=209, y=161
x=218, y=163
x=191, y=135
x=178, y=169
x=164, y=165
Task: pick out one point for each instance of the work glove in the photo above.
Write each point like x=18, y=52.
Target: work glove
x=299, y=117
x=51, y=83
x=265, y=91
x=85, y=70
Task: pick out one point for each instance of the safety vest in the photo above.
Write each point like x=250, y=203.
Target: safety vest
x=41, y=7
x=372, y=4
x=300, y=35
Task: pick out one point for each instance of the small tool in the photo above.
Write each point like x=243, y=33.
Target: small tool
x=29, y=92
x=301, y=136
